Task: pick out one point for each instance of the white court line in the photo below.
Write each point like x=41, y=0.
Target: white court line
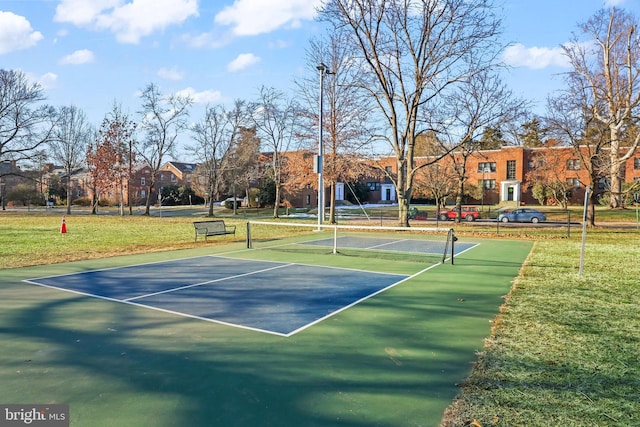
x=163, y=310
x=387, y=243
x=166, y=291
x=222, y=255
x=379, y=291
x=120, y=266
x=358, y=270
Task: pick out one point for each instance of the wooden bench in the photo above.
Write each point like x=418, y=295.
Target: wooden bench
x=213, y=228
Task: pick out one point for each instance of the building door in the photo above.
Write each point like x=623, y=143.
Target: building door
x=388, y=192
x=339, y=190
x=510, y=191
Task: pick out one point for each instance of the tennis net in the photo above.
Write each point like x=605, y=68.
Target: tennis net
x=411, y=244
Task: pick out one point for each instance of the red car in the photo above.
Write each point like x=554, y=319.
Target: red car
x=469, y=213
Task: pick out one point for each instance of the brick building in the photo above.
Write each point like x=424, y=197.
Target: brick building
x=507, y=175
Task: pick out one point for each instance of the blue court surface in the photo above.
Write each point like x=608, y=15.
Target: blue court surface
x=273, y=297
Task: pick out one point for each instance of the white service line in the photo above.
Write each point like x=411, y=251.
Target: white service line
x=207, y=282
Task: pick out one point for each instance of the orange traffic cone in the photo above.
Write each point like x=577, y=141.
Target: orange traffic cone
x=63, y=227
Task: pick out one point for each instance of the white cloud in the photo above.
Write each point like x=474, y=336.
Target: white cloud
x=242, y=61
x=78, y=57
x=519, y=55
x=253, y=17
x=46, y=81
x=16, y=33
x=170, y=73
x=203, y=97
x=129, y=21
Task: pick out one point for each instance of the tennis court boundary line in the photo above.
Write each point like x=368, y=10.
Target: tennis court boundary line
x=359, y=301
x=132, y=301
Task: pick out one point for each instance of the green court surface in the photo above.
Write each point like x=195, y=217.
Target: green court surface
x=390, y=360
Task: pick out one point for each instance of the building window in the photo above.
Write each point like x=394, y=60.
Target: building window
x=308, y=199
x=486, y=167
x=603, y=184
x=573, y=182
x=173, y=178
x=487, y=184
x=636, y=163
x=373, y=186
x=143, y=181
x=535, y=164
x=573, y=164
x=511, y=169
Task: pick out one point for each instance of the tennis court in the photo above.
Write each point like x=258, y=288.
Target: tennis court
x=272, y=297
x=275, y=297
x=285, y=333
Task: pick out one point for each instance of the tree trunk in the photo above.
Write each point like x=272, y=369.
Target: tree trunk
x=147, y=208
x=459, y=196
x=94, y=202
x=332, y=204
x=121, y=198
x=129, y=195
x=615, y=200
x=211, y=200
x=404, y=193
x=591, y=211
x=276, y=202
x=69, y=192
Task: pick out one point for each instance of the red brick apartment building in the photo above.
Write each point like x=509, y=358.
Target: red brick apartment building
x=171, y=174
x=508, y=174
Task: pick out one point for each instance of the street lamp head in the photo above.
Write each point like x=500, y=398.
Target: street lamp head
x=321, y=67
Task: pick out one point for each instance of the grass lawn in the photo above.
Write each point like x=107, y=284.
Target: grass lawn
x=562, y=351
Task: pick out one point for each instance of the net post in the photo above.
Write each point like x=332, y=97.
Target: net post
x=453, y=242
x=335, y=240
x=449, y=246
x=249, y=245
x=446, y=248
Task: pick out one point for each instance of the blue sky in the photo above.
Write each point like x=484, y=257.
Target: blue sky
x=91, y=53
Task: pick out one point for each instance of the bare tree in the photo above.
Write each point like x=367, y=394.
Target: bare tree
x=412, y=51
x=549, y=178
x=606, y=76
x=243, y=164
x=69, y=140
x=481, y=102
x=275, y=119
x=24, y=124
x=345, y=137
x=215, y=138
x=438, y=181
x=163, y=118
x=571, y=121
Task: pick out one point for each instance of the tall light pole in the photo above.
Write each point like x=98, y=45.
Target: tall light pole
x=319, y=161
